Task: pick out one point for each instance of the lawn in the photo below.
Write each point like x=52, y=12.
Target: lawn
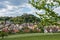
x=34, y=36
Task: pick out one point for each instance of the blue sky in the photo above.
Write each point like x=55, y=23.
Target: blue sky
x=18, y=7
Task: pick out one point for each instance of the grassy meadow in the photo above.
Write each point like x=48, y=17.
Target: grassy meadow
x=34, y=36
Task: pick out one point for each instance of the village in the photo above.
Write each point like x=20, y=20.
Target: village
x=29, y=19
x=27, y=28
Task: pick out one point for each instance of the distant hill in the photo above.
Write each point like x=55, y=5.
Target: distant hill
x=25, y=18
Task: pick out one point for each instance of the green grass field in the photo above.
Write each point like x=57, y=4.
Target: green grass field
x=34, y=36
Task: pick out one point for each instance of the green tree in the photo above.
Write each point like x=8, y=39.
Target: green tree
x=50, y=17
x=3, y=34
x=30, y=18
x=25, y=18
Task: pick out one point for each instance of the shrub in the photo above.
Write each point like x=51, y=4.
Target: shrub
x=2, y=34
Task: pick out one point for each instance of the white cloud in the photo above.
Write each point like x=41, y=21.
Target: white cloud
x=12, y=10
x=57, y=10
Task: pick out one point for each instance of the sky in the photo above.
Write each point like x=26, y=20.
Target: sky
x=18, y=7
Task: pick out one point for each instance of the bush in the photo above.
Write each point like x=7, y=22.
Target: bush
x=42, y=29
x=3, y=34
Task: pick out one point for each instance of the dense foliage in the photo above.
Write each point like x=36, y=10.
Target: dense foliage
x=49, y=17
x=25, y=18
